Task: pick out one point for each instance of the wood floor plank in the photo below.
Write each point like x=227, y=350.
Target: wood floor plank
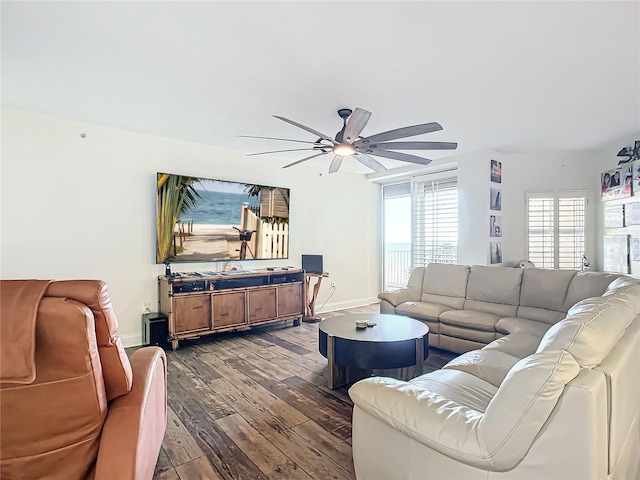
x=274, y=463
x=286, y=344
x=202, y=370
x=223, y=454
x=309, y=407
x=164, y=469
x=312, y=460
x=178, y=443
x=247, y=389
x=333, y=447
x=211, y=403
x=303, y=360
x=198, y=469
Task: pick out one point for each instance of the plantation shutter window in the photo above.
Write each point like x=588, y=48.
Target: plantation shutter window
x=434, y=219
x=556, y=229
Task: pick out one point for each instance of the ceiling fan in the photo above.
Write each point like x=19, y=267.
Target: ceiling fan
x=348, y=142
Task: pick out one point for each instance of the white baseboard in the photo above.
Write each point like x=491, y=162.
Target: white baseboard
x=131, y=340
x=330, y=307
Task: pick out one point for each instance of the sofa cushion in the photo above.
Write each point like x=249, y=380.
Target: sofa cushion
x=470, y=319
x=512, y=325
x=459, y=386
x=444, y=279
x=587, y=284
x=422, y=310
x=541, y=314
x=445, y=284
x=494, y=285
x=490, y=365
x=521, y=406
x=494, y=308
x=546, y=289
x=517, y=344
x=594, y=326
x=480, y=336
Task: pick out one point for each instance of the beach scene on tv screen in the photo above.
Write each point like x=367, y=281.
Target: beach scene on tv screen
x=201, y=220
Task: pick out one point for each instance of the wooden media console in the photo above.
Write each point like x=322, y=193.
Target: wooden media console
x=199, y=304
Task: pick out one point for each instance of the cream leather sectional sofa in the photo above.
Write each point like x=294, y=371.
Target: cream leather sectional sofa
x=467, y=307
x=555, y=393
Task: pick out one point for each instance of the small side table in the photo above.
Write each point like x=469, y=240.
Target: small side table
x=310, y=300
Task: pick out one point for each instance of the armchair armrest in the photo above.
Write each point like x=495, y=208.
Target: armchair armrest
x=136, y=422
x=401, y=295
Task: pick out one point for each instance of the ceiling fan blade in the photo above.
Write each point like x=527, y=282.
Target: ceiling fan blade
x=308, y=129
x=335, y=164
x=405, y=157
x=367, y=161
x=401, y=133
x=283, y=139
x=355, y=124
x=304, y=160
x=412, y=146
x=289, y=150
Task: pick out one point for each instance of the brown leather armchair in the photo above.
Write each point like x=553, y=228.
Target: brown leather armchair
x=73, y=405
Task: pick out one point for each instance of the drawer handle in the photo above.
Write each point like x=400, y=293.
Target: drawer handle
x=195, y=308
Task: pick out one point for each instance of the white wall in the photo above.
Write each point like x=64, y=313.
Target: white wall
x=520, y=173
x=77, y=207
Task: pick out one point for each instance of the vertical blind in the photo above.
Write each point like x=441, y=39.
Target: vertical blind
x=434, y=220
x=556, y=229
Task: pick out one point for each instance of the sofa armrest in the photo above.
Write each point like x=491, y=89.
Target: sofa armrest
x=429, y=418
x=496, y=439
x=136, y=422
x=401, y=295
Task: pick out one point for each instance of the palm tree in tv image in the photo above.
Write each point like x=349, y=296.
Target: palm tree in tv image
x=176, y=195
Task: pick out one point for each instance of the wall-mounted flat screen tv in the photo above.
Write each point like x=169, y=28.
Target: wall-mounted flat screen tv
x=206, y=220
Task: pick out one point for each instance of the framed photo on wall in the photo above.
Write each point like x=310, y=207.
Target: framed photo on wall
x=616, y=253
x=495, y=199
x=635, y=172
x=635, y=256
x=496, y=171
x=495, y=252
x=614, y=216
x=495, y=226
x=616, y=183
x=632, y=214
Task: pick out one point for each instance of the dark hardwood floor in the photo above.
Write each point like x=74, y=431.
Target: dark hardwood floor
x=255, y=405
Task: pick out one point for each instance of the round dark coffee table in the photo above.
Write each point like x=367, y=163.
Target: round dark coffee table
x=397, y=347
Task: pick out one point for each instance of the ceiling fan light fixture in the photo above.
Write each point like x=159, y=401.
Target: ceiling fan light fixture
x=344, y=149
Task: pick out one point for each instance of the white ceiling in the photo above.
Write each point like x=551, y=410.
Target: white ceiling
x=509, y=76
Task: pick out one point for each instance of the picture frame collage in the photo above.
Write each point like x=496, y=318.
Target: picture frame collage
x=621, y=219
x=495, y=215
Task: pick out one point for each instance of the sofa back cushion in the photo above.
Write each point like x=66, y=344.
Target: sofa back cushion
x=522, y=405
x=445, y=284
x=51, y=428
x=587, y=284
x=493, y=290
x=543, y=294
x=594, y=326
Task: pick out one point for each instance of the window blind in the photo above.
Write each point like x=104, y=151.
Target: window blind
x=556, y=229
x=434, y=220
